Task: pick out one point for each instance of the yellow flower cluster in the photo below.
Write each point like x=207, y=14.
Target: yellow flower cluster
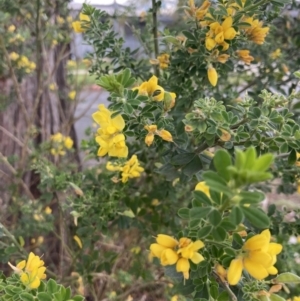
x=199, y=12
x=152, y=130
x=31, y=271
x=22, y=62
x=245, y=56
x=59, y=144
x=79, y=26
x=109, y=135
x=275, y=54
x=130, y=169
x=218, y=33
x=256, y=32
x=164, y=60
x=72, y=94
x=257, y=258
x=16, y=38
x=170, y=251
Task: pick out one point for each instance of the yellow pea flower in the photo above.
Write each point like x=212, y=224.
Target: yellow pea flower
x=212, y=76
x=245, y=56
x=257, y=258
x=165, y=135
x=78, y=241
x=13, y=56
x=72, y=94
x=201, y=186
x=31, y=271
x=78, y=26
x=151, y=89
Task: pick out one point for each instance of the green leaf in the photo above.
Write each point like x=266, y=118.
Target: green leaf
x=182, y=159
x=236, y=215
x=52, y=287
x=44, y=297
x=263, y=162
x=240, y=159
x=78, y=298
x=26, y=297
x=251, y=197
x=292, y=157
x=125, y=76
x=203, y=232
x=200, y=198
x=188, y=34
x=274, y=297
x=221, y=161
x=250, y=156
x=199, y=212
x=256, y=217
x=287, y=278
x=184, y=213
x=215, y=217
x=215, y=182
x=194, y=166
x=219, y=234
x=227, y=224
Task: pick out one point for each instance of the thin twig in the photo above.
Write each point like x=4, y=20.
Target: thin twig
x=155, y=34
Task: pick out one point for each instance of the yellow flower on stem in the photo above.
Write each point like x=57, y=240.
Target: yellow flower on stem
x=79, y=26
x=257, y=258
x=152, y=89
x=152, y=130
x=223, y=58
x=212, y=76
x=164, y=60
x=164, y=249
x=218, y=33
x=245, y=56
x=189, y=252
x=256, y=32
x=72, y=94
x=131, y=169
x=109, y=135
x=13, y=56
x=31, y=271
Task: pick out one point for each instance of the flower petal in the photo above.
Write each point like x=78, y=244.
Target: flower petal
x=256, y=270
x=235, y=271
x=166, y=241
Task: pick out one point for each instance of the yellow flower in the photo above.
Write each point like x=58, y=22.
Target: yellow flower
x=110, y=138
x=218, y=33
x=276, y=54
x=201, y=186
x=165, y=135
x=298, y=160
x=113, y=167
x=79, y=26
x=189, y=252
x=31, y=271
x=257, y=258
x=245, y=56
x=52, y=87
x=69, y=19
x=131, y=169
x=212, y=76
x=223, y=58
x=164, y=60
x=68, y=142
x=11, y=28
x=151, y=89
x=72, y=94
x=59, y=144
x=48, y=210
x=78, y=241
x=164, y=249
x=13, y=56
x=152, y=130
x=222, y=273
x=256, y=32
x=60, y=20
x=71, y=64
